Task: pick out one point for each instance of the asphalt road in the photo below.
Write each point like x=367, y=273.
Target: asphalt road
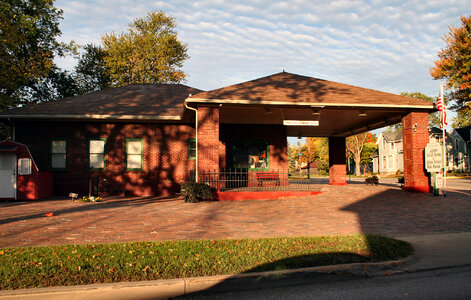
x=453, y=283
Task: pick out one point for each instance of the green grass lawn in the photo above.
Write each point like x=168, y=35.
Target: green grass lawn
x=99, y=263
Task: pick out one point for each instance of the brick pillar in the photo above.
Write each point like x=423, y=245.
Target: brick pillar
x=337, y=161
x=208, y=138
x=415, y=137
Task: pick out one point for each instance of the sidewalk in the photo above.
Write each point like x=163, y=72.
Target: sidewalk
x=433, y=251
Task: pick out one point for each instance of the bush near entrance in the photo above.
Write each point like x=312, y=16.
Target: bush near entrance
x=100, y=263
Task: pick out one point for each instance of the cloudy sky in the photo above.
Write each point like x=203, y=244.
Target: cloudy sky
x=384, y=45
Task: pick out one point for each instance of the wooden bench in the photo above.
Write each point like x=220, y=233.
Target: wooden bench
x=268, y=177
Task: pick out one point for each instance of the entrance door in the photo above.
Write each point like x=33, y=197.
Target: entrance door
x=7, y=175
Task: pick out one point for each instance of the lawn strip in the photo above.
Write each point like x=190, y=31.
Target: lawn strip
x=101, y=263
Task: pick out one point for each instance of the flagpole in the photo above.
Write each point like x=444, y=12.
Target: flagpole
x=444, y=138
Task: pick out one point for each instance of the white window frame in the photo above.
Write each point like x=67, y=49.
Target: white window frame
x=97, y=154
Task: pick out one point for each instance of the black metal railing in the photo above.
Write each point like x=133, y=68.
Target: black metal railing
x=257, y=180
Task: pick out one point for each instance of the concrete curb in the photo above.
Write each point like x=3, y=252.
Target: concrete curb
x=169, y=288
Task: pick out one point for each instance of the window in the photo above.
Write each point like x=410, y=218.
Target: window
x=24, y=166
x=59, y=154
x=390, y=162
x=191, y=148
x=392, y=146
x=384, y=163
x=250, y=155
x=133, y=154
x=96, y=159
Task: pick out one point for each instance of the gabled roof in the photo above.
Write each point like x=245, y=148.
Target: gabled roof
x=393, y=136
x=287, y=88
x=464, y=133
x=136, y=101
x=436, y=130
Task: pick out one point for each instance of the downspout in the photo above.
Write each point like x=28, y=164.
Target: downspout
x=13, y=129
x=196, y=128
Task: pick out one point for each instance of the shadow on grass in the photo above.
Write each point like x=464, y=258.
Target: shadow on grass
x=307, y=269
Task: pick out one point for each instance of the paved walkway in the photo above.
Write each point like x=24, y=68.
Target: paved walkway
x=338, y=210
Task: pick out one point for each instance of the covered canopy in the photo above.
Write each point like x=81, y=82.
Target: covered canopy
x=341, y=109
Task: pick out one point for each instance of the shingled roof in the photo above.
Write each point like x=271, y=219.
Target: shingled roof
x=136, y=101
x=465, y=133
x=287, y=88
x=393, y=136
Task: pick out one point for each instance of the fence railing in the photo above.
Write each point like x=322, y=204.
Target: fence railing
x=257, y=180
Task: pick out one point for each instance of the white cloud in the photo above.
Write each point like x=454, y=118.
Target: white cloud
x=385, y=45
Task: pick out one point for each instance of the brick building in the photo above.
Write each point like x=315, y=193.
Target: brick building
x=146, y=139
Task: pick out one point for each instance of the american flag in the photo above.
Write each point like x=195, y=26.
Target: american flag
x=442, y=108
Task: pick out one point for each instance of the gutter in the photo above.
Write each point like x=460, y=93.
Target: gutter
x=94, y=116
x=242, y=101
x=13, y=129
x=196, y=128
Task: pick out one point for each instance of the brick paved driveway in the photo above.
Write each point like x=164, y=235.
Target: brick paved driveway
x=338, y=210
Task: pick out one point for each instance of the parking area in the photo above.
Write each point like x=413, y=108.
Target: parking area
x=347, y=209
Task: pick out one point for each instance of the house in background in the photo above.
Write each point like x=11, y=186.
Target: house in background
x=389, y=157
x=460, y=139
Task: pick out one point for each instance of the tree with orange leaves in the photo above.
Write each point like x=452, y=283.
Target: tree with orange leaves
x=454, y=64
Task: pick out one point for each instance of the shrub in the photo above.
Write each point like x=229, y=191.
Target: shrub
x=373, y=180
x=92, y=199
x=323, y=167
x=193, y=192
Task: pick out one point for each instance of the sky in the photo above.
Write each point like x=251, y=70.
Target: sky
x=383, y=45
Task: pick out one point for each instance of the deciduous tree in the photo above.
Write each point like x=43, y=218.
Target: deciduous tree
x=149, y=52
x=91, y=72
x=454, y=63
x=28, y=32
x=355, y=145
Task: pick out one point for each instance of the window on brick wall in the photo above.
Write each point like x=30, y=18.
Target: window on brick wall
x=96, y=154
x=250, y=155
x=191, y=148
x=134, y=154
x=59, y=154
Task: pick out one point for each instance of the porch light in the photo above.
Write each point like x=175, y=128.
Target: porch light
x=268, y=111
x=362, y=114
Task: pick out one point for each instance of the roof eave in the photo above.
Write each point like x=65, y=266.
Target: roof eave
x=244, y=101
x=94, y=117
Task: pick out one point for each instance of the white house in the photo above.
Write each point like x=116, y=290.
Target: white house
x=460, y=139
x=390, y=157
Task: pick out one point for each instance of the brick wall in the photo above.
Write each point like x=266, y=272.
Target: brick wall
x=209, y=147
x=337, y=161
x=165, y=156
x=415, y=138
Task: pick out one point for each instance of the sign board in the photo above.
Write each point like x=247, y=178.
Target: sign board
x=433, y=157
x=300, y=123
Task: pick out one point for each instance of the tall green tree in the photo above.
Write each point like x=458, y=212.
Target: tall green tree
x=149, y=52
x=463, y=117
x=56, y=85
x=28, y=32
x=454, y=64
x=91, y=72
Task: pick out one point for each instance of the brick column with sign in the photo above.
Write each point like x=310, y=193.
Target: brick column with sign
x=415, y=138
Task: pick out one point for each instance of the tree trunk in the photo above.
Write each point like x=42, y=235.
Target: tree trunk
x=357, y=164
